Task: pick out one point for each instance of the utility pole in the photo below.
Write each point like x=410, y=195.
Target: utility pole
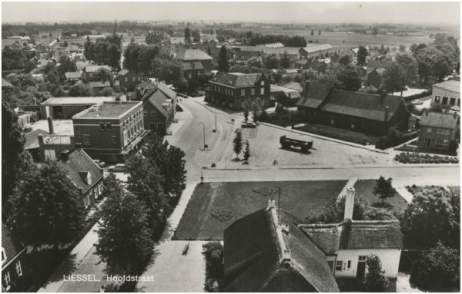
x=215, y=121
x=279, y=206
x=204, y=133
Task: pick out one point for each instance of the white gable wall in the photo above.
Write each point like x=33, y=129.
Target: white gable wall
x=389, y=257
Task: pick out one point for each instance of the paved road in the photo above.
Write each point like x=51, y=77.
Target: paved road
x=402, y=174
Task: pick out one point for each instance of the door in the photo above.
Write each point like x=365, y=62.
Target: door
x=361, y=269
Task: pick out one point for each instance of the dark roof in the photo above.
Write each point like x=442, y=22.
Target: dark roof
x=166, y=90
x=369, y=106
x=193, y=54
x=32, y=138
x=316, y=94
x=80, y=162
x=190, y=65
x=10, y=244
x=238, y=80
x=439, y=120
x=254, y=260
x=385, y=234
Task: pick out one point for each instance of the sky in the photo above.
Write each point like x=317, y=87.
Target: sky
x=447, y=13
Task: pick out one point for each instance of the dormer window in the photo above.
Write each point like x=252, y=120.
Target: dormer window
x=3, y=255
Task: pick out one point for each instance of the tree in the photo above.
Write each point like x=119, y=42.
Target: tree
x=362, y=54
x=271, y=61
x=432, y=216
x=312, y=32
x=237, y=143
x=333, y=211
x=319, y=32
x=12, y=155
x=410, y=68
x=246, y=114
x=384, y=188
x=247, y=151
x=144, y=181
x=80, y=90
x=223, y=60
x=375, y=31
x=187, y=35
x=375, y=280
x=437, y=270
x=394, y=79
x=349, y=79
x=104, y=75
x=124, y=237
x=345, y=60
x=284, y=62
x=402, y=48
x=47, y=208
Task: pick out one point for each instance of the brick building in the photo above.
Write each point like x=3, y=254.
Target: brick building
x=236, y=90
x=437, y=130
x=159, y=109
x=111, y=130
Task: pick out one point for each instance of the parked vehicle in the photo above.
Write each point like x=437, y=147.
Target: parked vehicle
x=286, y=143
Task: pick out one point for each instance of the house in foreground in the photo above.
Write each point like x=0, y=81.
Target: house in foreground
x=238, y=90
x=269, y=250
x=14, y=264
x=437, y=130
x=366, y=113
x=85, y=175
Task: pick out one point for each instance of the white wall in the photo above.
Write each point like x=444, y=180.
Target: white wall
x=389, y=257
x=445, y=93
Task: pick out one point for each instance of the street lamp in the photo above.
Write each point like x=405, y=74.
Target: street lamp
x=215, y=121
x=205, y=146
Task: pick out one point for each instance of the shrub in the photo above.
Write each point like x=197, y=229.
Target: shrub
x=214, y=271
x=375, y=280
x=453, y=145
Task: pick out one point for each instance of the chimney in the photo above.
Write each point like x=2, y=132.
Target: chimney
x=349, y=203
x=387, y=113
x=271, y=204
x=50, y=125
x=64, y=155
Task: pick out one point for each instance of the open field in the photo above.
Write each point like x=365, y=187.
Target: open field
x=238, y=199
x=364, y=188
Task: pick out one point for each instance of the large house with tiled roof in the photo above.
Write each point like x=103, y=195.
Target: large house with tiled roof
x=360, y=112
x=14, y=265
x=238, y=90
x=159, y=108
x=195, y=55
x=271, y=251
x=84, y=173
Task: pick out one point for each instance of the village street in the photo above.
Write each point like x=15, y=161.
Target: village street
x=173, y=271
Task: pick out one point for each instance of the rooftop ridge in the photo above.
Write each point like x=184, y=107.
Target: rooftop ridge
x=284, y=251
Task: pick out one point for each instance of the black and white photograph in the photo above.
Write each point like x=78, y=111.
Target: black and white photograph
x=246, y=146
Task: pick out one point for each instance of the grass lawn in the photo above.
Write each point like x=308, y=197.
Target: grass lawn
x=364, y=188
x=233, y=200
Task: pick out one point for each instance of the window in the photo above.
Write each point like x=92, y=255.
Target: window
x=114, y=140
x=437, y=99
x=252, y=91
x=102, y=126
x=262, y=91
x=242, y=92
x=444, y=132
x=429, y=130
x=86, y=139
x=145, y=112
x=338, y=266
x=18, y=268
x=7, y=279
x=108, y=126
x=152, y=127
x=362, y=258
x=153, y=113
x=349, y=263
x=452, y=101
x=445, y=100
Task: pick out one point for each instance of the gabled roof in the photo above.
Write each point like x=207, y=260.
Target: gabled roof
x=123, y=72
x=439, y=120
x=352, y=235
x=81, y=64
x=95, y=68
x=317, y=93
x=302, y=61
x=73, y=75
x=10, y=243
x=192, y=65
x=157, y=99
x=450, y=85
x=32, y=138
x=5, y=83
x=79, y=162
x=166, y=90
x=259, y=257
x=316, y=48
x=293, y=85
x=193, y=54
x=238, y=80
x=292, y=94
